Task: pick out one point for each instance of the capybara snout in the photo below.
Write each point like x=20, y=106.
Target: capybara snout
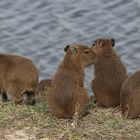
x=28, y=98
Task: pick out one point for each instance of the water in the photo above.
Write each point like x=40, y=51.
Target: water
x=39, y=29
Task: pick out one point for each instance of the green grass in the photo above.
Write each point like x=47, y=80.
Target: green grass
x=36, y=122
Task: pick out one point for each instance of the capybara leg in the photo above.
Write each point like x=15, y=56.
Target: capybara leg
x=123, y=108
x=81, y=105
x=129, y=113
x=103, y=98
x=97, y=93
x=58, y=112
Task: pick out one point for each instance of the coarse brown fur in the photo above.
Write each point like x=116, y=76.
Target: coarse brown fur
x=67, y=96
x=18, y=79
x=43, y=86
x=109, y=73
x=130, y=96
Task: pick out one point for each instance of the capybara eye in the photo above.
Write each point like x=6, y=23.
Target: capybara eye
x=93, y=44
x=86, y=51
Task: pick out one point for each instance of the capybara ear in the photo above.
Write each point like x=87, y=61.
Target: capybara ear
x=113, y=42
x=101, y=43
x=74, y=50
x=66, y=48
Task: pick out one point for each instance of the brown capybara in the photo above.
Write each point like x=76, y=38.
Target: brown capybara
x=18, y=79
x=67, y=96
x=109, y=73
x=130, y=96
x=43, y=86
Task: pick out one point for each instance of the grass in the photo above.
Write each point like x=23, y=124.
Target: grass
x=36, y=123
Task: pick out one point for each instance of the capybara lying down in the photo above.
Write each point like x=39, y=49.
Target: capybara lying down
x=43, y=86
x=67, y=96
x=109, y=73
x=130, y=96
x=18, y=79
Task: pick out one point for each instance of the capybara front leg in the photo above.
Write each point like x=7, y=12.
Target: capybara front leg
x=81, y=105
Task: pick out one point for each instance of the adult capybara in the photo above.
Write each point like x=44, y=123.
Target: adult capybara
x=43, y=86
x=67, y=96
x=18, y=79
x=130, y=96
x=109, y=73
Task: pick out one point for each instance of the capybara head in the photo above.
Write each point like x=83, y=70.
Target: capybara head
x=81, y=53
x=29, y=98
x=102, y=45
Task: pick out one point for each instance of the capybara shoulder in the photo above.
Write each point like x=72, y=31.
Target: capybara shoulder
x=67, y=94
x=109, y=73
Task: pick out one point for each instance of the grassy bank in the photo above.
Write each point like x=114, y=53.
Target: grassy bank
x=36, y=123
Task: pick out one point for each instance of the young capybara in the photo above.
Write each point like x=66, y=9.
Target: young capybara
x=109, y=73
x=130, y=96
x=67, y=96
x=18, y=79
x=43, y=86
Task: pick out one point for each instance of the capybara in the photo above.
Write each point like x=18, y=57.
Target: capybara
x=67, y=96
x=109, y=73
x=18, y=79
x=130, y=96
x=43, y=86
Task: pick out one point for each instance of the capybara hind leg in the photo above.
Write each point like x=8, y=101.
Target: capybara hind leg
x=81, y=105
x=58, y=112
x=102, y=96
x=127, y=111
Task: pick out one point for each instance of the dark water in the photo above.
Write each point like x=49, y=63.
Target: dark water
x=39, y=29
